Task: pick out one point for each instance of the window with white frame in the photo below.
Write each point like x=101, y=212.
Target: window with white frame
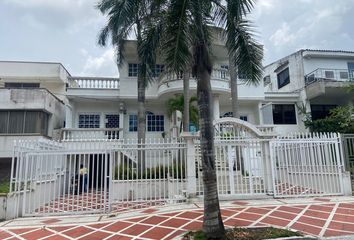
x=155, y=123
x=89, y=120
x=133, y=69
x=133, y=123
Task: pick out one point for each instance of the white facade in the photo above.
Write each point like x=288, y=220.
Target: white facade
x=314, y=79
x=83, y=107
x=32, y=102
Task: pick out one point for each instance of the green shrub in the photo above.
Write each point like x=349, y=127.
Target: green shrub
x=340, y=120
x=4, y=187
x=159, y=172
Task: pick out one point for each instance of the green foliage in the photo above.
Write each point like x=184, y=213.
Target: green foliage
x=340, y=120
x=4, y=187
x=177, y=104
x=159, y=172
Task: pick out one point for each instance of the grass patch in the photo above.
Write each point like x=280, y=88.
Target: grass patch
x=4, y=187
x=248, y=234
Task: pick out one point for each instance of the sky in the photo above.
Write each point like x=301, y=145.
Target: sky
x=66, y=31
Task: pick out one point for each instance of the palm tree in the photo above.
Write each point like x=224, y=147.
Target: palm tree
x=178, y=104
x=188, y=24
x=245, y=54
x=124, y=18
x=186, y=110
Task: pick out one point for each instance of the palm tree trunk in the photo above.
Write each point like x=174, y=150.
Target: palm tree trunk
x=234, y=90
x=186, y=101
x=141, y=122
x=213, y=226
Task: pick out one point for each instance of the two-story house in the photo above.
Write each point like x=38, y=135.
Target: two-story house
x=42, y=100
x=311, y=80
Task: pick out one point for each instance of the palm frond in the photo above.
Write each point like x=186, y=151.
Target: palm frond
x=177, y=38
x=150, y=44
x=247, y=52
x=121, y=17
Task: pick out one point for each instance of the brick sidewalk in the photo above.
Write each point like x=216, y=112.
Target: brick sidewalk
x=322, y=218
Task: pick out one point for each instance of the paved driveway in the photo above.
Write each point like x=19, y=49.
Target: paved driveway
x=323, y=217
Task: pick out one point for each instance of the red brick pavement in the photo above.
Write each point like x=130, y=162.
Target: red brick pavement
x=322, y=219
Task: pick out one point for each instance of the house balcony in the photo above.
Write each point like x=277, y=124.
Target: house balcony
x=36, y=99
x=92, y=87
x=330, y=82
x=172, y=84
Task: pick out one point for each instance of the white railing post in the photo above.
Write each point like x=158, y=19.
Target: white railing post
x=267, y=167
x=191, y=170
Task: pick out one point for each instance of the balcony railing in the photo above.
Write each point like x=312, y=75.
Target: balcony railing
x=90, y=134
x=325, y=74
x=94, y=83
x=217, y=74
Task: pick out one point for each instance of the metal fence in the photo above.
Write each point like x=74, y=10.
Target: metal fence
x=112, y=175
x=97, y=177
x=348, y=149
x=307, y=165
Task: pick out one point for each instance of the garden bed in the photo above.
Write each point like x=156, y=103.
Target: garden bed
x=248, y=234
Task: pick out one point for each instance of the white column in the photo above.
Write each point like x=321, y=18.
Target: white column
x=122, y=111
x=191, y=170
x=68, y=116
x=216, y=107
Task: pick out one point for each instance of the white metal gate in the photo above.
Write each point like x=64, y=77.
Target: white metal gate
x=50, y=178
x=348, y=149
x=307, y=165
x=58, y=181
x=240, y=159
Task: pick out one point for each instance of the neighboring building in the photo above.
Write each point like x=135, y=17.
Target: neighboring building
x=32, y=104
x=314, y=80
x=42, y=100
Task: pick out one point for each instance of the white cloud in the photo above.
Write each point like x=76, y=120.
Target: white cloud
x=283, y=36
x=103, y=65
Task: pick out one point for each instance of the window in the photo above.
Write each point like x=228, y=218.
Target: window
x=244, y=118
x=158, y=70
x=133, y=123
x=89, y=121
x=243, y=75
x=321, y=111
x=18, y=122
x=230, y=114
x=283, y=78
x=343, y=75
x=133, y=69
x=227, y=114
x=21, y=85
x=112, y=121
x=224, y=71
x=155, y=123
x=284, y=114
x=266, y=80
x=329, y=74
